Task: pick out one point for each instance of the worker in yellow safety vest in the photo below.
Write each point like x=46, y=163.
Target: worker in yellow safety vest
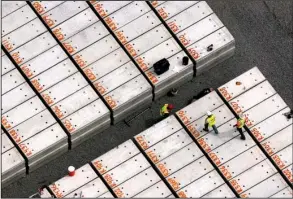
x=239, y=125
x=166, y=109
x=210, y=121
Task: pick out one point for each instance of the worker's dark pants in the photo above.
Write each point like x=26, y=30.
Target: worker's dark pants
x=241, y=132
x=206, y=126
x=166, y=115
x=163, y=117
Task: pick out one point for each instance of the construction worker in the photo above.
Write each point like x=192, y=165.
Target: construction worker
x=210, y=121
x=239, y=125
x=166, y=109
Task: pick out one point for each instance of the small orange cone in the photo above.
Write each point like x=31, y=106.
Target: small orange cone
x=71, y=170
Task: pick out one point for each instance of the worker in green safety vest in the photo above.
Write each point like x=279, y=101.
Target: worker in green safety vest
x=210, y=121
x=239, y=125
x=166, y=109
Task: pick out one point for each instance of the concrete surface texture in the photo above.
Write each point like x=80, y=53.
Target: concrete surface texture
x=282, y=12
x=261, y=40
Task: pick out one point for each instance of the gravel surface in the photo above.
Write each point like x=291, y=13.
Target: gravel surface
x=261, y=40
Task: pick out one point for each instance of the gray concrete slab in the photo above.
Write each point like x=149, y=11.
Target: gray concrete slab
x=260, y=41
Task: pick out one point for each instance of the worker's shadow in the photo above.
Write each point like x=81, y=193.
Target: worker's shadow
x=152, y=121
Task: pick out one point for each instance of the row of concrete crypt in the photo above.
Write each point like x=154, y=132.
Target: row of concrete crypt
x=176, y=158
x=71, y=69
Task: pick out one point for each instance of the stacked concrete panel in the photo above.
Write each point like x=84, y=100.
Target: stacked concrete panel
x=180, y=161
x=285, y=193
x=139, y=180
x=197, y=27
x=59, y=82
x=89, y=62
x=182, y=168
x=13, y=163
x=263, y=110
x=103, y=61
x=249, y=171
x=147, y=44
x=84, y=184
x=30, y=124
x=9, y=7
x=193, y=118
x=26, y=120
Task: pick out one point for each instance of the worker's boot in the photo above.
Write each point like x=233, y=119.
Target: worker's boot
x=207, y=130
x=242, y=138
x=288, y=115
